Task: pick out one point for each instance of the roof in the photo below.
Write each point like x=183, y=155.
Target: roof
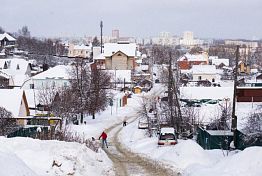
x=14, y=97
x=57, y=72
x=193, y=57
x=100, y=57
x=15, y=66
x=6, y=35
x=220, y=132
x=82, y=47
x=213, y=93
x=127, y=48
x=32, y=97
x=203, y=69
x=219, y=61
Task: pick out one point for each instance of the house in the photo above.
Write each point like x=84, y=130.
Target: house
x=204, y=72
x=58, y=77
x=81, y=51
x=188, y=60
x=249, y=94
x=7, y=41
x=120, y=56
x=243, y=68
x=100, y=61
x=219, y=62
x=16, y=104
x=4, y=80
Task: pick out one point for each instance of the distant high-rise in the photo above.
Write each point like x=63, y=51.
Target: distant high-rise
x=115, y=34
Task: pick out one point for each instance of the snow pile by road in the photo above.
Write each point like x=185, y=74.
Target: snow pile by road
x=188, y=158
x=11, y=165
x=51, y=158
x=245, y=163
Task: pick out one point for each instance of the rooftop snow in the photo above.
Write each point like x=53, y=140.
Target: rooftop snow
x=207, y=93
x=129, y=49
x=6, y=35
x=57, y=72
x=192, y=57
x=11, y=100
x=219, y=61
x=203, y=69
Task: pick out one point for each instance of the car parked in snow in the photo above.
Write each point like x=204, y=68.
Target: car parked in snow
x=167, y=136
x=142, y=123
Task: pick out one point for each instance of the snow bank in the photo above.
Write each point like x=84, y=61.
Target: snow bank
x=188, y=158
x=11, y=165
x=245, y=163
x=180, y=156
x=55, y=157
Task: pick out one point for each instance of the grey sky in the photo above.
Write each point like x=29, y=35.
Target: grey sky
x=139, y=18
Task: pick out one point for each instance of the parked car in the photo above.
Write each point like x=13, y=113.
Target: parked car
x=167, y=136
x=142, y=123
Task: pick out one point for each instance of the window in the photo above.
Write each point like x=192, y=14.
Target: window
x=32, y=86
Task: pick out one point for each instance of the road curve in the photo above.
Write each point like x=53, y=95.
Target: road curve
x=127, y=163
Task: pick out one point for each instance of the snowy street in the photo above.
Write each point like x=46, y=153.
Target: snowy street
x=128, y=163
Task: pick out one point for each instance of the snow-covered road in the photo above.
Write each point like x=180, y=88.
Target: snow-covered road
x=127, y=163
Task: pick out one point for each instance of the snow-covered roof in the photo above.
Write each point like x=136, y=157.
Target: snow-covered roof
x=11, y=100
x=219, y=132
x=203, y=69
x=6, y=35
x=18, y=80
x=207, y=93
x=219, y=61
x=100, y=57
x=193, y=57
x=82, y=47
x=144, y=67
x=57, y=72
x=120, y=75
x=15, y=66
x=127, y=48
x=32, y=97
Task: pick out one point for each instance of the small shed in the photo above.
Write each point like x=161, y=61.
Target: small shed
x=214, y=139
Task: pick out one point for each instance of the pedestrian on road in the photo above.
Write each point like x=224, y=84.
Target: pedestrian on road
x=124, y=122
x=104, y=137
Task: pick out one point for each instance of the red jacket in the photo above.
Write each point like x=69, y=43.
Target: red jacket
x=103, y=135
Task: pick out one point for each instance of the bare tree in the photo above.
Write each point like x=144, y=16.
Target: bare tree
x=7, y=122
x=254, y=122
x=98, y=99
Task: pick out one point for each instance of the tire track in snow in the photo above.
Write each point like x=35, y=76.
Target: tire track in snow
x=127, y=163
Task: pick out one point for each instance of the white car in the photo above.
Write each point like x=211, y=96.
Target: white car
x=142, y=123
x=167, y=136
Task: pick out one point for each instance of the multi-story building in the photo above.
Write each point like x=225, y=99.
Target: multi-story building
x=188, y=39
x=82, y=51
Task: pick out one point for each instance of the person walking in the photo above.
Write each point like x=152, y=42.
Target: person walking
x=104, y=137
x=124, y=121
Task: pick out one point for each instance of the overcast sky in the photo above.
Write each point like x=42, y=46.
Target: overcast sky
x=138, y=18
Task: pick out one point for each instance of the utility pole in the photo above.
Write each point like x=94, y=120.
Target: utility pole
x=170, y=89
x=234, y=117
x=101, y=28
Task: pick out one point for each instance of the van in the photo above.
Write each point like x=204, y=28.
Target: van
x=167, y=136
